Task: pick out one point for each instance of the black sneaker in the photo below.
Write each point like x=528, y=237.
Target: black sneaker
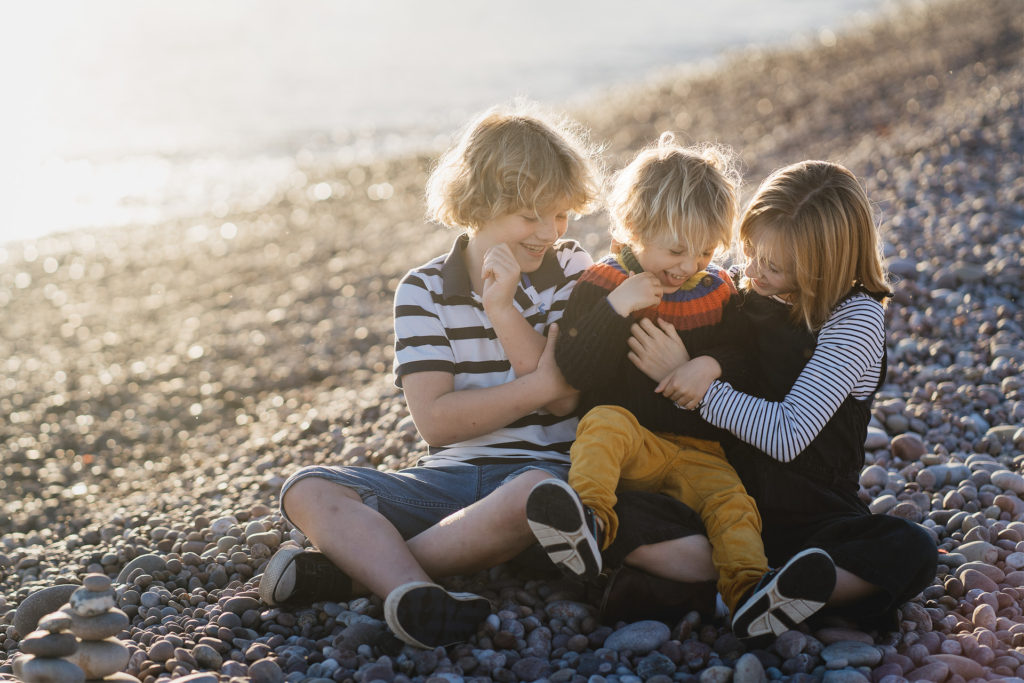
x=565, y=528
x=787, y=596
x=297, y=577
x=426, y=615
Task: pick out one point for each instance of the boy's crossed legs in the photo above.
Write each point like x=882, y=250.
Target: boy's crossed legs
x=612, y=449
x=357, y=518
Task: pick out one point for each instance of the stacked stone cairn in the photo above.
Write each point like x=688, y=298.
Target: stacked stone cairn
x=44, y=651
x=96, y=621
x=78, y=643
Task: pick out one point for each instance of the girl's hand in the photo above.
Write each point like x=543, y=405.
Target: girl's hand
x=501, y=277
x=688, y=384
x=638, y=291
x=656, y=350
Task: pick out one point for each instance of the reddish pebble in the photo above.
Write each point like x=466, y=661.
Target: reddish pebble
x=933, y=671
x=907, y=446
x=961, y=666
x=972, y=578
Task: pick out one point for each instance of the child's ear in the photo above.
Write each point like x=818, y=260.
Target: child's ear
x=615, y=247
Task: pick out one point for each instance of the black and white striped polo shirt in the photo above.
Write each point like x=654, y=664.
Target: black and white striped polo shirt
x=440, y=325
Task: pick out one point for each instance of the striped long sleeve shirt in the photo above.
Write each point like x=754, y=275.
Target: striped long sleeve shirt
x=846, y=361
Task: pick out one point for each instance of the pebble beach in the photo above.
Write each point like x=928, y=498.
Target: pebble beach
x=158, y=385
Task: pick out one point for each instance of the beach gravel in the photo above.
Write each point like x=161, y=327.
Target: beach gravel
x=158, y=385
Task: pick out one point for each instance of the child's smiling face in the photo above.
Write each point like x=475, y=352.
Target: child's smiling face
x=767, y=270
x=529, y=234
x=671, y=261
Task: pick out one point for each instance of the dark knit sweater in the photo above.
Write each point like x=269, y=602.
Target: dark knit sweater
x=593, y=342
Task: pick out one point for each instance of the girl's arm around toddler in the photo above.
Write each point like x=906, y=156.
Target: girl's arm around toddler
x=845, y=361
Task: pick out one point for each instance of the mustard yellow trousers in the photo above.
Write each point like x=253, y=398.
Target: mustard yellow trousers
x=612, y=450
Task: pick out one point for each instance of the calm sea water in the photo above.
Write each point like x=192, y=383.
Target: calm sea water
x=129, y=112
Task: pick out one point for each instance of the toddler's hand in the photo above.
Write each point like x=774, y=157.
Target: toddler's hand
x=656, y=350
x=687, y=385
x=639, y=291
x=501, y=276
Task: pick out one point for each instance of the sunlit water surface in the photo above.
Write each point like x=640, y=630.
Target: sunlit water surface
x=121, y=112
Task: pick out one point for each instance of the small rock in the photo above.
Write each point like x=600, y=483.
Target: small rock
x=1008, y=481
x=266, y=671
x=655, y=664
x=531, y=668
x=984, y=616
x=961, y=666
x=853, y=653
x=845, y=676
x=44, y=669
x=790, y=644
x=907, y=447
x=933, y=671
x=87, y=603
x=100, y=626
x=639, y=637
x=97, y=658
x=716, y=674
x=46, y=644
x=873, y=475
x=876, y=439
x=749, y=670
x=39, y=604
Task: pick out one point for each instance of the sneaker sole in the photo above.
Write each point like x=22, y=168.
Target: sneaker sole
x=801, y=588
x=425, y=615
x=557, y=519
x=272, y=577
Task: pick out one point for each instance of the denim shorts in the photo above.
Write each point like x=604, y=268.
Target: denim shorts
x=417, y=498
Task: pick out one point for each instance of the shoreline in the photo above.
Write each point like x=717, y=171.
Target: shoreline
x=159, y=380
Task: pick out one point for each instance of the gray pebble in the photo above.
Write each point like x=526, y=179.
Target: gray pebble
x=46, y=644
x=639, y=637
x=39, y=604
x=852, y=653
x=149, y=563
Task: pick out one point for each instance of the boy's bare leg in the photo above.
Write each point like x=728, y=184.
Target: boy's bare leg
x=354, y=536
x=850, y=588
x=686, y=559
x=368, y=548
x=491, y=531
